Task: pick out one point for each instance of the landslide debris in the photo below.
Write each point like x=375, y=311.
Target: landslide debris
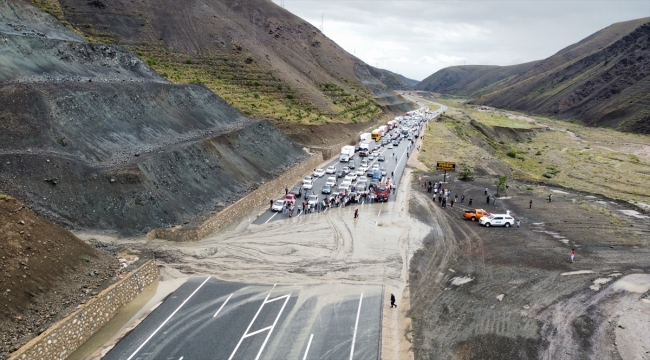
x=45, y=273
x=93, y=138
x=259, y=57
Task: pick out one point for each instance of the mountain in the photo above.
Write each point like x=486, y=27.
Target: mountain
x=392, y=80
x=470, y=80
x=92, y=138
x=603, y=80
x=259, y=57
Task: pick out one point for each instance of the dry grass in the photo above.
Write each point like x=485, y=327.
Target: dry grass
x=597, y=160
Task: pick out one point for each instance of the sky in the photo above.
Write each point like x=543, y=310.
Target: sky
x=416, y=38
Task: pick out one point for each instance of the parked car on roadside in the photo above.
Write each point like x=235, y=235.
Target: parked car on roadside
x=475, y=214
x=497, y=220
x=278, y=205
x=297, y=191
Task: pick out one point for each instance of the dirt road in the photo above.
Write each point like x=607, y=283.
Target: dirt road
x=488, y=293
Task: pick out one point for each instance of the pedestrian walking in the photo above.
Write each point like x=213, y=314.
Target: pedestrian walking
x=494, y=200
x=452, y=202
x=487, y=200
x=286, y=190
x=456, y=197
x=392, y=174
x=550, y=197
x=530, y=204
x=271, y=203
x=462, y=199
x=356, y=213
x=486, y=191
x=518, y=223
x=470, y=201
x=392, y=301
x=573, y=253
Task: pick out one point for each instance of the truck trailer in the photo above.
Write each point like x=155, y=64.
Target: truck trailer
x=365, y=137
x=347, y=153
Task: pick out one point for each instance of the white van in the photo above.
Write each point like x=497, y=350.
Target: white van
x=497, y=220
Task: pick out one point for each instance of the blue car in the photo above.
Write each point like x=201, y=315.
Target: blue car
x=377, y=175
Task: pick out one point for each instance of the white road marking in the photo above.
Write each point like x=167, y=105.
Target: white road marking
x=269, y=328
x=356, y=325
x=308, y=345
x=168, y=318
x=221, y=307
x=271, y=217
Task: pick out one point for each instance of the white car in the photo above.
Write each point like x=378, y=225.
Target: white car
x=390, y=145
x=497, y=220
x=308, y=178
x=375, y=167
x=344, y=187
x=331, y=170
x=307, y=184
x=278, y=205
x=331, y=181
x=353, y=176
x=349, y=179
x=360, y=172
x=319, y=173
x=371, y=157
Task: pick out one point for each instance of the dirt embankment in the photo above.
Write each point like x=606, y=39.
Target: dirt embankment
x=46, y=272
x=94, y=139
x=498, y=293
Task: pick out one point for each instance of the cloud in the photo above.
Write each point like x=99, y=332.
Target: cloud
x=417, y=38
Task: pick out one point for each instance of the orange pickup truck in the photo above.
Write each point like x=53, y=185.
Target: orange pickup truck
x=475, y=214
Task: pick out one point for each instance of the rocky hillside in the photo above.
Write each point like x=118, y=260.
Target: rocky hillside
x=93, y=138
x=259, y=57
x=392, y=80
x=470, y=80
x=46, y=273
x=603, y=80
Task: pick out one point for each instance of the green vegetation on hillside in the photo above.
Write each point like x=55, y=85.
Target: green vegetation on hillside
x=597, y=160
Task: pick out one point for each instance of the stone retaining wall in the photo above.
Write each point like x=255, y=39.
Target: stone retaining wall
x=64, y=337
x=259, y=196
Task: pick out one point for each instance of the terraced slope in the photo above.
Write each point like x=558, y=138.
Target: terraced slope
x=93, y=138
x=259, y=57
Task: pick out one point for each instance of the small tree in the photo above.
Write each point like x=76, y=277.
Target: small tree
x=501, y=183
x=465, y=173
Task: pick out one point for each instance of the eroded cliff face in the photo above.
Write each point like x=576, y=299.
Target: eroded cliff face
x=93, y=138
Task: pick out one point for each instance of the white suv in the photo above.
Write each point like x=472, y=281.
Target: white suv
x=497, y=220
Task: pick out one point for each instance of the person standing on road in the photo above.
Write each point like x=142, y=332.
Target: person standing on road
x=462, y=199
x=286, y=190
x=470, y=202
x=530, y=204
x=392, y=301
x=486, y=189
x=518, y=223
x=487, y=200
x=550, y=197
x=271, y=203
x=494, y=200
x=392, y=174
x=452, y=202
x=573, y=253
x=356, y=213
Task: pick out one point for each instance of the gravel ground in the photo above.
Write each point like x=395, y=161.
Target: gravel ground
x=495, y=293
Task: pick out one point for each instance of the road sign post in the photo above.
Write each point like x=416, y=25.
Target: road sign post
x=446, y=166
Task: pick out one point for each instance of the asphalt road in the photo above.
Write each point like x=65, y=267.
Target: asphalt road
x=211, y=319
x=392, y=164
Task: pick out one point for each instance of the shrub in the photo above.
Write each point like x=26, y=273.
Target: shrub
x=466, y=173
x=290, y=96
x=512, y=153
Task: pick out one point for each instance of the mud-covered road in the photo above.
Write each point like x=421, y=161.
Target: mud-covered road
x=506, y=293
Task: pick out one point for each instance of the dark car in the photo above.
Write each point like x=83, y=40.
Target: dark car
x=352, y=165
x=374, y=183
x=309, y=192
x=327, y=189
x=296, y=191
x=381, y=158
x=396, y=143
x=340, y=174
x=370, y=172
